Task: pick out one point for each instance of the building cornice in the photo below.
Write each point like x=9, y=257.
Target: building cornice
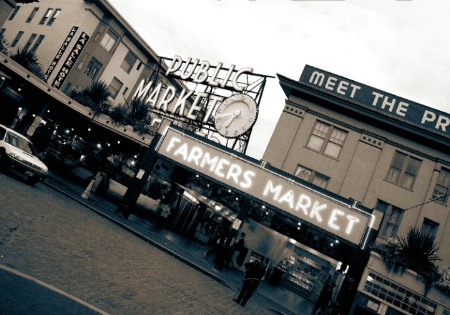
x=375, y=118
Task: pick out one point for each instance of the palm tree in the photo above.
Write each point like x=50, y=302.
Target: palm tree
x=417, y=251
x=29, y=61
x=94, y=96
x=4, y=46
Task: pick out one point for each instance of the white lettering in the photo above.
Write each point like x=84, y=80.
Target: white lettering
x=247, y=183
x=428, y=116
x=183, y=150
x=354, y=89
x=333, y=218
x=235, y=80
x=402, y=109
x=168, y=97
x=288, y=197
x=352, y=220
x=220, y=167
x=317, y=78
x=442, y=123
x=142, y=91
x=195, y=106
x=342, y=87
x=331, y=82
x=315, y=212
x=175, y=65
x=303, y=203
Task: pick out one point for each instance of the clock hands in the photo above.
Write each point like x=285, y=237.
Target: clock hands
x=236, y=113
x=233, y=115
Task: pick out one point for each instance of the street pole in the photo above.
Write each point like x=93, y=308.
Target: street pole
x=146, y=165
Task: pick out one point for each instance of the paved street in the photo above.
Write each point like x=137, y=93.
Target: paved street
x=58, y=241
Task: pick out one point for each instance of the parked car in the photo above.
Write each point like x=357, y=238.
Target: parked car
x=18, y=154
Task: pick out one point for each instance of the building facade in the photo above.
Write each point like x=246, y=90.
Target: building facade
x=78, y=42
x=388, y=153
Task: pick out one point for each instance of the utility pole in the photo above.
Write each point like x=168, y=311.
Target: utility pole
x=145, y=167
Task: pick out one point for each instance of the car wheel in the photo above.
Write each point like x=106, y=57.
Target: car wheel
x=3, y=158
x=33, y=179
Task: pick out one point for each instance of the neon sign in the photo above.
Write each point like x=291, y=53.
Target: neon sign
x=189, y=104
x=200, y=72
x=301, y=201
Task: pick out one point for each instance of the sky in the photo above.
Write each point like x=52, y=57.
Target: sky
x=400, y=47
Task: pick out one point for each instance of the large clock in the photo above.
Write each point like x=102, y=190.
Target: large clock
x=236, y=115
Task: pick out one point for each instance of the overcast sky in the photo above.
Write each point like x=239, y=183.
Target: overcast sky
x=401, y=47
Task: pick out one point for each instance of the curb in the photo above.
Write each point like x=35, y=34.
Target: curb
x=54, y=289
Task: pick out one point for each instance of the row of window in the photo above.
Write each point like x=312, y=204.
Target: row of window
x=399, y=296
x=48, y=18
x=94, y=66
x=32, y=44
x=403, y=170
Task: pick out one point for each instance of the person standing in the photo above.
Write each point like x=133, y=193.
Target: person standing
x=239, y=251
x=325, y=297
x=255, y=272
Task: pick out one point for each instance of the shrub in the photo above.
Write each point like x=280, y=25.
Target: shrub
x=416, y=251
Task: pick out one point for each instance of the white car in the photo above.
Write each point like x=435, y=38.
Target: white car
x=18, y=154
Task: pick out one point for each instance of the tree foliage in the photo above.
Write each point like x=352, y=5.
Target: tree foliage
x=29, y=61
x=95, y=96
x=416, y=251
x=4, y=46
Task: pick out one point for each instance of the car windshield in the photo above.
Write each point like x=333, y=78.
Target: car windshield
x=19, y=142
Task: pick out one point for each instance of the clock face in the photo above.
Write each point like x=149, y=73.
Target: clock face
x=235, y=115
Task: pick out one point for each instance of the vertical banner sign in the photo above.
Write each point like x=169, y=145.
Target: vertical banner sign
x=70, y=60
x=60, y=52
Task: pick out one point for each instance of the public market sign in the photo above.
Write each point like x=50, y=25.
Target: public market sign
x=166, y=99
x=377, y=100
x=317, y=208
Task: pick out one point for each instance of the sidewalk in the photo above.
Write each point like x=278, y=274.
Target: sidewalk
x=279, y=300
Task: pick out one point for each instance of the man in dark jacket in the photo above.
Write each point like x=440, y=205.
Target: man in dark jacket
x=254, y=273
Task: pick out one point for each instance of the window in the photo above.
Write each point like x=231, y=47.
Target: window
x=430, y=227
x=108, y=41
x=403, y=170
x=398, y=295
x=46, y=16
x=29, y=42
x=139, y=65
x=92, y=68
x=14, y=13
x=312, y=176
x=16, y=40
x=442, y=188
x=327, y=139
x=32, y=14
x=54, y=16
x=128, y=62
x=125, y=91
x=37, y=43
x=391, y=219
x=115, y=87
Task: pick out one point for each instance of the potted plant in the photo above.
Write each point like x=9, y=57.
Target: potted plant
x=416, y=251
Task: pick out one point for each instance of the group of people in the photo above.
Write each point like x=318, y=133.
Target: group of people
x=224, y=253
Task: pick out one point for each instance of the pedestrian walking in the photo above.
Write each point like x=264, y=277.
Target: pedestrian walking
x=255, y=272
x=325, y=297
